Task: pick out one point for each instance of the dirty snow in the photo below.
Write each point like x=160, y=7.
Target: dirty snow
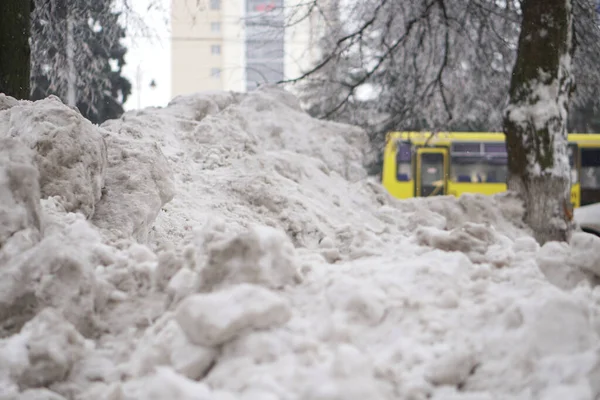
x=229, y=246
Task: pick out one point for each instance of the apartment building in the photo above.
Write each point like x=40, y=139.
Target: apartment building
x=239, y=44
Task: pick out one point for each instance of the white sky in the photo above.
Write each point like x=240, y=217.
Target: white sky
x=149, y=52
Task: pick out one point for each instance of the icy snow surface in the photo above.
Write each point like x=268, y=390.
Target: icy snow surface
x=229, y=246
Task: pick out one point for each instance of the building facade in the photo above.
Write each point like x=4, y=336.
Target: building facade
x=239, y=44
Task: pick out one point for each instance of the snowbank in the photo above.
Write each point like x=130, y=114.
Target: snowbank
x=139, y=176
x=229, y=246
x=69, y=152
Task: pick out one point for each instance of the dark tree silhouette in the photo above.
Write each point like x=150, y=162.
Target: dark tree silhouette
x=14, y=47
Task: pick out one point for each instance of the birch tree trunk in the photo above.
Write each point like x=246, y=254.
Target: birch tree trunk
x=536, y=117
x=14, y=47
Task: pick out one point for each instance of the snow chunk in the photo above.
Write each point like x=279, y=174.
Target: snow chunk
x=328, y=250
x=168, y=266
x=201, y=105
x=565, y=265
x=364, y=303
x=70, y=151
x=182, y=284
x=350, y=376
x=557, y=325
x=138, y=183
x=262, y=255
x=471, y=239
x=57, y=272
x=164, y=384
x=20, y=211
x=52, y=346
x=555, y=261
x=166, y=344
x=95, y=367
x=216, y=318
x=426, y=217
x=288, y=130
x=14, y=361
x=526, y=245
x=503, y=211
x=40, y=394
x=7, y=102
x=452, y=368
x=499, y=255
x=585, y=252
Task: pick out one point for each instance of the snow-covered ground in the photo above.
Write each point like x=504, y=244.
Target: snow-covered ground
x=229, y=246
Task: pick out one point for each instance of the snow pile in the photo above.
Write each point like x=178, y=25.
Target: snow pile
x=229, y=246
x=245, y=308
x=69, y=152
x=137, y=175
x=50, y=253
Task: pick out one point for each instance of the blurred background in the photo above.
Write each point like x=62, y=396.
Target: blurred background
x=382, y=65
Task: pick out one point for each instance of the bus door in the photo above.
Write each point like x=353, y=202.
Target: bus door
x=589, y=173
x=431, y=171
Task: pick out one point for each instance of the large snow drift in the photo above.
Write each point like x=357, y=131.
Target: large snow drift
x=229, y=246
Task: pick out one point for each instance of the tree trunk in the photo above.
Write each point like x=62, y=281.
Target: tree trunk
x=536, y=117
x=14, y=47
x=71, y=72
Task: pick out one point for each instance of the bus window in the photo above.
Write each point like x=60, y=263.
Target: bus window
x=466, y=148
x=497, y=169
x=467, y=168
x=590, y=168
x=494, y=148
x=496, y=162
x=572, y=151
x=403, y=162
x=466, y=162
x=480, y=169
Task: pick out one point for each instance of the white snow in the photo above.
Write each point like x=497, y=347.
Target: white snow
x=229, y=246
x=548, y=107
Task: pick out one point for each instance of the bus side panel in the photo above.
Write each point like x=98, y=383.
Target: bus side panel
x=400, y=190
x=389, y=167
x=457, y=189
x=575, y=195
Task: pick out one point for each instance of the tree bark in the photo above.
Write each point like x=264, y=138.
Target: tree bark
x=14, y=47
x=536, y=117
x=72, y=73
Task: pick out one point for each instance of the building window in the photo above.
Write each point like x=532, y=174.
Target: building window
x=215, y=49
x=215, y=73
x=215, y=27
x=215, y=4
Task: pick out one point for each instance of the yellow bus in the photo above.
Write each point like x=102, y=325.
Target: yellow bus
x=452, y=163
